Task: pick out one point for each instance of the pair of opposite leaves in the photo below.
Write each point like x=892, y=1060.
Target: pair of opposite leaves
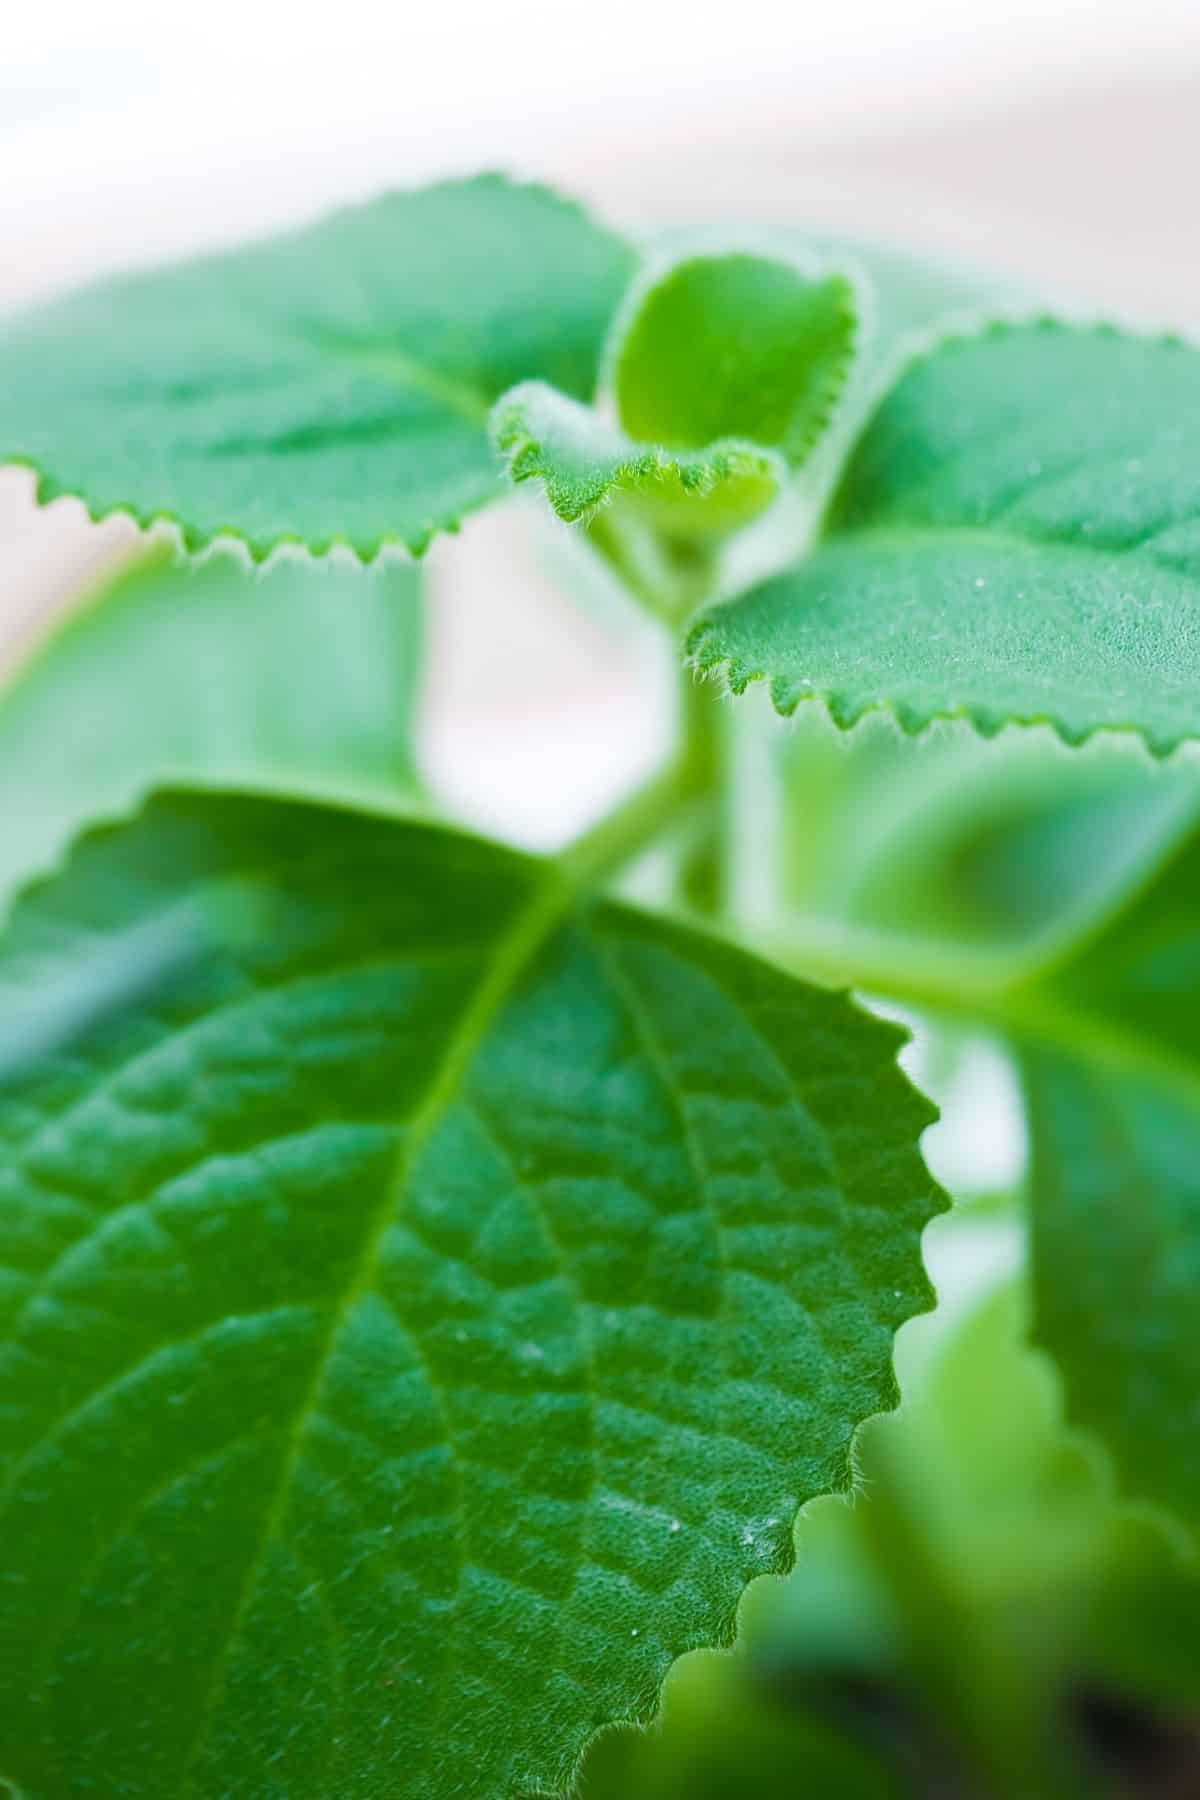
x=311, y=1228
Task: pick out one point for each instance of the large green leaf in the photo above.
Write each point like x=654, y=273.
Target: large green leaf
x=1016, y=537
x=300, y=679
x=944, y=1619
x=425, y=1303
x=329, y=386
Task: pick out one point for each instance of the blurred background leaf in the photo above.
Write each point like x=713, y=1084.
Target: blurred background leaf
x=302, y=678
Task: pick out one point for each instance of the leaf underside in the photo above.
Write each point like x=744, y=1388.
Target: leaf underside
x=581, y=461
x=440, y=1300
x=1016, y=538
x=327, y=387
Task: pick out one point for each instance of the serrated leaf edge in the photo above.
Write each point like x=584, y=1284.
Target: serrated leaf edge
x=699, y=472
x=190, y=541
x=921, y=1113
x=709, y=662
x=926, y=1113
x=855, y=308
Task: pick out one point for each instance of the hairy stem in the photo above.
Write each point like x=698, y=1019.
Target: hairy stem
x=702, y=879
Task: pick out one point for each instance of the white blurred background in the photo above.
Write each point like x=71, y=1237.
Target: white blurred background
x=1062, y=133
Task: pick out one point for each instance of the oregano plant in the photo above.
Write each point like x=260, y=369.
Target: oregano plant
x=435, y=1277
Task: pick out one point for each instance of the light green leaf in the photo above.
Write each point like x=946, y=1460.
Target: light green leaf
x=426, y=1303
x=1113, y=1083
x=965, y=855
x=301, y=678
x=1106, y=1032
x=1016, y=538
x=725, y=373
x=329, y=386
x=581, y=460
x=1053, y=899
x=1116, y=1246
x=734, y=346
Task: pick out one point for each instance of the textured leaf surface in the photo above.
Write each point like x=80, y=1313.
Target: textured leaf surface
x=330, y=386
x=300, y=679
x=443, y=1299
x=581, y=460
x=1016, y=538
x=957, y=1594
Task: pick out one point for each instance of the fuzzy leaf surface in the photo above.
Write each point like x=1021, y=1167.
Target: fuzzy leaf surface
x=725, y=373
x=1016, y=538
x=328, y=386
x=581, y=460
x=443, y=1293
x=297, y=679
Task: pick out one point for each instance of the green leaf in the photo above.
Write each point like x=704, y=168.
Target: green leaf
x=581, y=460
x=1105, y=1028
x=944, y=1615
x=725, y=373
x=1116, y=1244
x=1054, y=899
x=329, y=386
x=966, y=856
x=443, y=1294
x=1113, y=1085
x=734, y=346
x=301, y=679
x=1016, y=538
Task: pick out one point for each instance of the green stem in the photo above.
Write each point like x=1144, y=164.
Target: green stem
x=702, y=874
x=670, y=579
x=632, y=827
x=668, y=576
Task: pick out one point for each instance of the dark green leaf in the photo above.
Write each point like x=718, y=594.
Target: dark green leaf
x=1054, y=898
x=330, y=386
x=425, y=1303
